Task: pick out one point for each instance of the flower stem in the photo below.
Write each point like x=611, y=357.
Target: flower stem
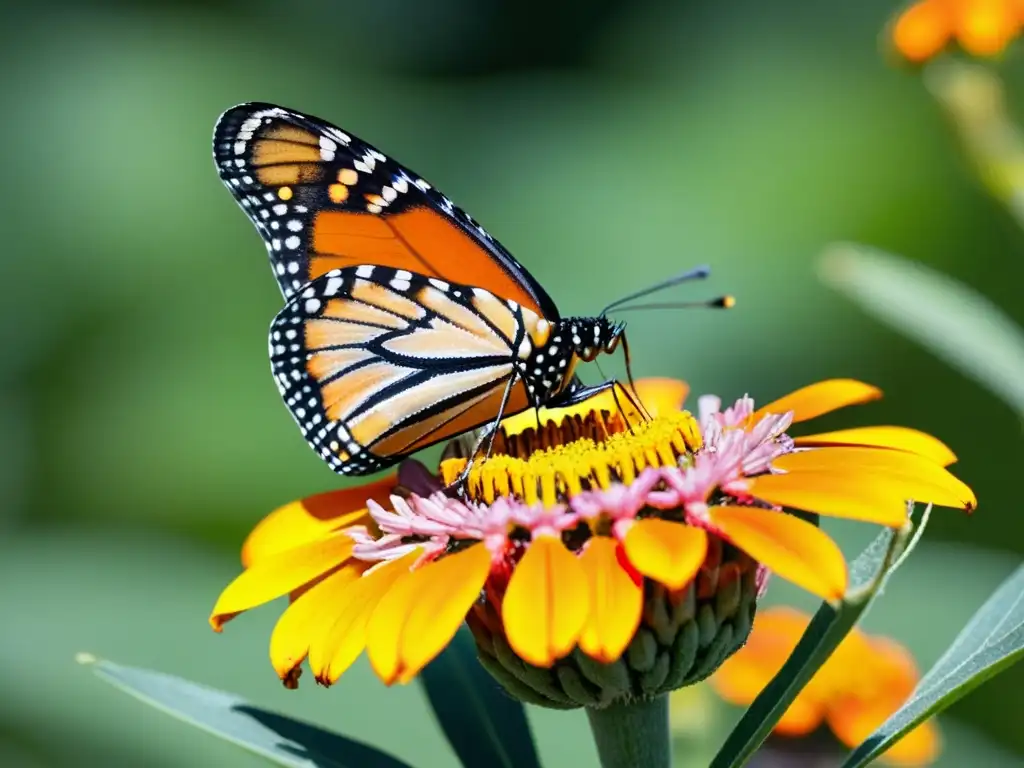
x=633, y=735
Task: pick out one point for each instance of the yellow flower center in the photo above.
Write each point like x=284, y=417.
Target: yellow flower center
x=581, y=452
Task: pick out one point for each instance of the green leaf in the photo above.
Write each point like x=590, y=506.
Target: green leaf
x=278, y=738
x=992, y=640
x=484, y=725
x=830, y=624
x=953, y=321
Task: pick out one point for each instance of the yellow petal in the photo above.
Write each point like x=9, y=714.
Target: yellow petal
x=333, y=652
x=905, y=475
x=821, y=398
x=897, y=438
x=383, y=630
x=307, y=618
x=547, y=602
x=794, y=549
x=846, y=496
x=312, y=518
x=616, y=601
x=661, y=396
x=670, y=553
x=279, y=574
x=445, y=591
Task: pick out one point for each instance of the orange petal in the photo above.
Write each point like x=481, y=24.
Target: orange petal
x=922, y=31
x=331, y=653
x=670, y=553
x=744, y=675
x=896, y=438
x=279, y=574
x=984, y=28
x=307, y=618
x=547, y=602
x=660, y=396
x=616, y=601
x=802, y=717
x=445, y=591
x=903, y=475
x=853, y=720
x=894, y=669
x=794, y=549
x=821, y=398
x=312, y=518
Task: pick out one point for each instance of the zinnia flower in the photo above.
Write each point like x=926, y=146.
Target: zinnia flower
x=598, y=553
x=981, y=27
x=864, y=682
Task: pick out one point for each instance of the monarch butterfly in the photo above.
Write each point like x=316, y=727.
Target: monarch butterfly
x=406, y=323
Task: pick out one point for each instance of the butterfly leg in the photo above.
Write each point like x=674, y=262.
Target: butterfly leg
x=493, y=432
x=490, y=434
x=635, y=402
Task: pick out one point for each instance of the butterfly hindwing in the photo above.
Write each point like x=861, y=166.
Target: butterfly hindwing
x=323, y=199
x=375, y=363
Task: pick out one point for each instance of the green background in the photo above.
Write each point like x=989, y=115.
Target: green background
x=607, y=145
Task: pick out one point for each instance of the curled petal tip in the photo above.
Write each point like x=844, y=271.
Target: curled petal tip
x=290, y=679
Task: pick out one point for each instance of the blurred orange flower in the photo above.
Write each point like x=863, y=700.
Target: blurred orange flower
x=856, y=690
x=981, y=27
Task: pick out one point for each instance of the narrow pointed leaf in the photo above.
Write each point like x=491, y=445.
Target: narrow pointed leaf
x=484, y=725
x=992, y=640
x=280, y=739
x=951, y=320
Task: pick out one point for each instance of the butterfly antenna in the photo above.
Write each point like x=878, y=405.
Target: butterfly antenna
x=697, y=273
x=721, y=302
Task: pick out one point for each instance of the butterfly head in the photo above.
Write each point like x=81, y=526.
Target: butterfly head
x=592, y=336
x=549, y=368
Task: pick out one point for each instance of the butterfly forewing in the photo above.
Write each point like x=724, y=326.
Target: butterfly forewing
x=375, y=363
x=323, y=199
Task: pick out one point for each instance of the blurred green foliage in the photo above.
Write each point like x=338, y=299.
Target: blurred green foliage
x=143, y=436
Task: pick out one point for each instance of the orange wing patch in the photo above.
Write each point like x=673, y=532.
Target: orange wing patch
x=286, y=154
x=322, y=199
x=418, y=240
